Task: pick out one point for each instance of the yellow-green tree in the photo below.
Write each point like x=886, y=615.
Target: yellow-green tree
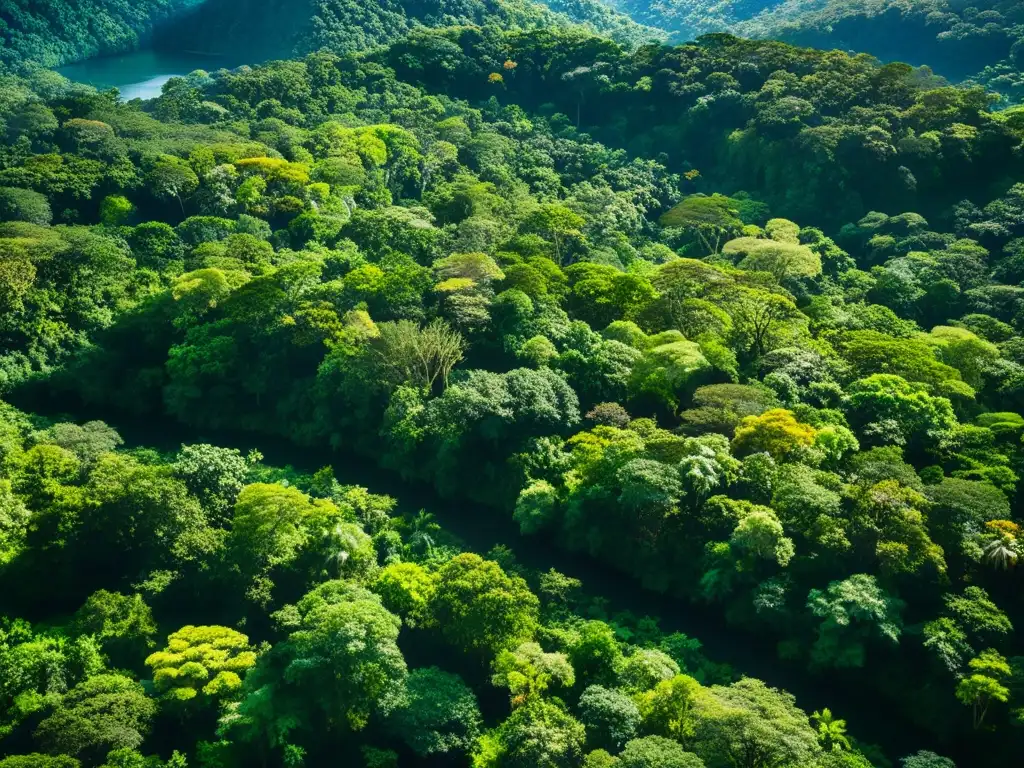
x=776, y=432
x=207, y=662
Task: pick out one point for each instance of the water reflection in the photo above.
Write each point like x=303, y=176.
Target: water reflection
x=141, y=74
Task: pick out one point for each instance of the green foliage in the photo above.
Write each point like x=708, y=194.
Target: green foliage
x=528, y=672
x=481, y=608
x=24, y=205
x=852, y=611
x=441, y=714
x=213, y=475
x=122, y=624
x=540, y=733
x=439, y=253
x=201, y=661
x=342, y=656
x=37, y=760
x=925, y=759
x=750, y=718
x=407, y=589
x=610, y=717
x=652, y=751
x=106, y=711
x=776, y=432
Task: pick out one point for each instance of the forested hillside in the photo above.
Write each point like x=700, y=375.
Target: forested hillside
x=738, y=321
x=976, y=41
x=60, y=31
x=283, y=27
x=687, y=20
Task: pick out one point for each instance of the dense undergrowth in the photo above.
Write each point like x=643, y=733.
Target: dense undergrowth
x=740, y=319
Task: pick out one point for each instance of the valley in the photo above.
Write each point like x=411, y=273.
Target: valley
x=492, y=384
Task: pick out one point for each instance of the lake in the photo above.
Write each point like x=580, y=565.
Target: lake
x=141, y=74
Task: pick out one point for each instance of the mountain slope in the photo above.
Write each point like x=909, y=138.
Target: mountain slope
x=973, y=42
x=688, y=19
x=959, y=40
x=279, y=28
x=63, y=31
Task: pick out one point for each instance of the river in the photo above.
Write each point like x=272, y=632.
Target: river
x=142, y=74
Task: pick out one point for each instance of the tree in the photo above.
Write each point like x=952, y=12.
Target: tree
x=36, y=760
x=122, y=624
x=143, y=513
x=404, y=353
x=831, y=731
x=984, y=684
x=751, y=725
x=407, y=589
x=556, y=223
x=172, y=178
x=268, y=527
x=981, y=618
x=760, y=534
x=343, y=657
x=206, y=662
x=782, y=260
x=600, y=758
x=480, y=608
x=761, y=321
x=710, y=219
x=596, y=655
x=348, y=551
x=776, y=432
x=852, y=611
x=925, y=759
x=649, y=488
x=610, y=717
x=130, y=758
x=1002, y=551
x=87, y=441
x=201, y=290
x=890, y=409
x=666, y=708
x=155, y=244
x=601, y=293
x=964, y=351
x=872, y=352
x=528, y=672
x=214, y=475
x=105, y=712
x=478, y=267
x=720, y=407
x=440, y=715
x=115, y=210
x=24, y=205
x=666, y=372
x=536, y=506
x=541, y=734
x=657, y=752
x=960, y=508
x=645, y=668
x=37, y=667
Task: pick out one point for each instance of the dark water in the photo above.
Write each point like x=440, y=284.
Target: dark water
x=141, y=74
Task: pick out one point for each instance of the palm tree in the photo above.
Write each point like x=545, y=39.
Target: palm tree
x=831, y=731
x=1001, y=552
x=422, y=533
